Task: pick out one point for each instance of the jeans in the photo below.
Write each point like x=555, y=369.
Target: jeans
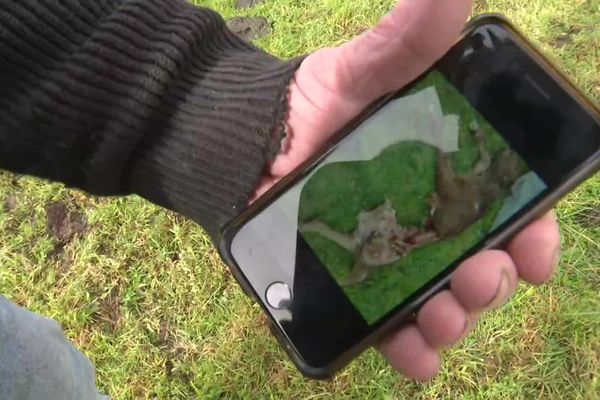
x=38, y=362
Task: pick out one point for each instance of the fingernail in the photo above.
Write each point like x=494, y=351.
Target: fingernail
x=501, y=293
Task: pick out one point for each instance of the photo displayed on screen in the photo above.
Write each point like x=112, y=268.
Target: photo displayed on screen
x=418, y=184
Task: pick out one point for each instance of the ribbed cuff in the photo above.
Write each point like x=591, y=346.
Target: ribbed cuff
x=208, y=158
x=221, y=122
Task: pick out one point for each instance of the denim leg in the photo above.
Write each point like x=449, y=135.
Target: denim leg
x=38, y=362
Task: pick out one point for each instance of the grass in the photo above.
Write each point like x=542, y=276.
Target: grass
x=144, y=294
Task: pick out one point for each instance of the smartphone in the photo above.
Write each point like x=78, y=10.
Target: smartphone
x=352, y=243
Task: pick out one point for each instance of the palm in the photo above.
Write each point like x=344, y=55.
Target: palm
x=330, y=88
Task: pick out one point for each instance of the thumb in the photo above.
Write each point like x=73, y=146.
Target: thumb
x=333, y=85
x=407, y=41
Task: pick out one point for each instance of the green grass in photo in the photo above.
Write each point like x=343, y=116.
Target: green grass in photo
x=403, y=173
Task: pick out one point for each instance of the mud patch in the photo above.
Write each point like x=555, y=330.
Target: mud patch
x=64, y=261
x=566, y=38
x=109, y=311
x=10, y=204
x=589, y=217
x=64, y=224
x=241, y=4
x=167, y=344
x=249, y=28
x=164, y=339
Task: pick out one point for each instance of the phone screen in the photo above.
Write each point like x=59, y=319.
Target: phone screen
x=413, y=190
x=416, y=186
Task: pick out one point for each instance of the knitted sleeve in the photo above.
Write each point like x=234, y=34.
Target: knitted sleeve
x=152, y=97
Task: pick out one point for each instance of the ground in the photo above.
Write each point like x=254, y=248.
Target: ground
x=144, y=294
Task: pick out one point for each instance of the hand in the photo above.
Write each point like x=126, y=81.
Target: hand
x=331, y=87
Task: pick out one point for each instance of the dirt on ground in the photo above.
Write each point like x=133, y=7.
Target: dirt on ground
x=64, y=224
x=589, y=217
x=241, y=4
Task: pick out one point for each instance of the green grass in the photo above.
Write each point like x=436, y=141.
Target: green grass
x=144, y=294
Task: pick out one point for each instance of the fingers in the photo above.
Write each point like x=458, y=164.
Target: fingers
x=487, y=280
x=484, y=281
x=408, y=352
x=536, y=250
x=333, y=85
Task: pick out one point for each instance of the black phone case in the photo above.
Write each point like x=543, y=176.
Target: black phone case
x=407, y=313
